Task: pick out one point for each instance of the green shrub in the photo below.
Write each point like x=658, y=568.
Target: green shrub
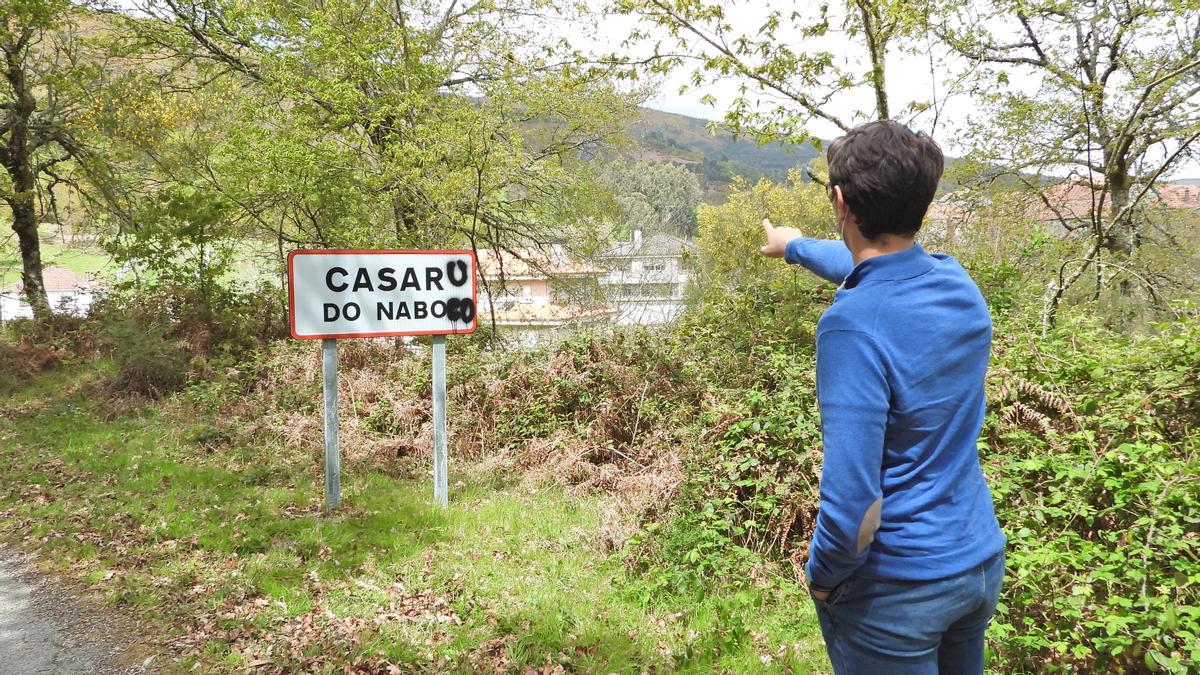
x=147, y=362
x=750, y=490
x=214, y=321
x=1092, y=449
x=29, y=347
x=1091, y=444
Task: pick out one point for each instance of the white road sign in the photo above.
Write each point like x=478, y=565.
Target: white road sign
x=340, y=294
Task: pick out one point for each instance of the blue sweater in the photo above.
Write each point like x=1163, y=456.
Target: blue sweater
x=901, y=359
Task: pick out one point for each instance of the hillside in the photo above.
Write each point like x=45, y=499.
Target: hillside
x=715, y=156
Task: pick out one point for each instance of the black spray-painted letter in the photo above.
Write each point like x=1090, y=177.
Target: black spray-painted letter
x=456, y=266
x=460, y=309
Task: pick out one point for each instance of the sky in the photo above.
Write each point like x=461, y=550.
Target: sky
x=919, y=73
x=909, y=77
x=906, y=74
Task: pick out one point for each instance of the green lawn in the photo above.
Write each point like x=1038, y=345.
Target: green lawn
x=253, y=261
x=225, y=554
x=81, y=259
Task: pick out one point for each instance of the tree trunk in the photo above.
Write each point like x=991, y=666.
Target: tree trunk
x=25, y=225
x=18, y=162
x=1122, y=239
x=1122, y=233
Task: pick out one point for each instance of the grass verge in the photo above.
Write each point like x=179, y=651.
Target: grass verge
x=226, y=556
x=85, y=260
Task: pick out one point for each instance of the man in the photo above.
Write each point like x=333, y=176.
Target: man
x=907, y=558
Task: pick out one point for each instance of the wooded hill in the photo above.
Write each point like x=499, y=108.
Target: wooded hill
x=712, y=152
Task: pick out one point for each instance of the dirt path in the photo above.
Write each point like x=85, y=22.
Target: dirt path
x=46, y=629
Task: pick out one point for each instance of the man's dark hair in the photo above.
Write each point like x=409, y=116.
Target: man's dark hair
x=888, y=176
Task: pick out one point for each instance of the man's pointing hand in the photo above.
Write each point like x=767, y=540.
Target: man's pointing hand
x=777, y=239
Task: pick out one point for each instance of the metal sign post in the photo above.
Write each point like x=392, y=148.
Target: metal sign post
x=355, y=293
x=333, y=458
x=441, y=460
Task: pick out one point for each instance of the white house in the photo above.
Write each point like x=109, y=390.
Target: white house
x=537, y=295
x=68, y=292
x=646, y=277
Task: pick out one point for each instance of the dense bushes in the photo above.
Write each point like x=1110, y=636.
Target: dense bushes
x=1093, y=451
x=214, y=321
x=1091, y=445
x=749, y=492
x=30, y=347
x=146, y=361
x=155, y=337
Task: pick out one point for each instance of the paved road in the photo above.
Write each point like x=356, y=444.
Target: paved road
x=43, y=629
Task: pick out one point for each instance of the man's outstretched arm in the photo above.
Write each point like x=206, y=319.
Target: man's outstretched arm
x=826, y=258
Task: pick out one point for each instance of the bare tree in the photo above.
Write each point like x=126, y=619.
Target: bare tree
x=790, y=65
x=1104, y=93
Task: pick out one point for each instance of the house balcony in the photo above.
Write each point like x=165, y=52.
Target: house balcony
x=622, y=278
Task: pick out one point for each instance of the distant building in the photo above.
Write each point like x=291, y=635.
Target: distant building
x=68, y=292
x=1176, y=196
x=946, y=218
x=1074, y=202
x=1069, y=202
x=948, y=211
x=646, y=277
x=538, y=295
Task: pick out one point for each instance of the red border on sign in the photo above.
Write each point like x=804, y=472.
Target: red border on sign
x=341, y=251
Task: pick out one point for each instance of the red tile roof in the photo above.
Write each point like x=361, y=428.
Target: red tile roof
x=532, y=263
x=1074, y=201
x=946, y=212
x=1178, y=196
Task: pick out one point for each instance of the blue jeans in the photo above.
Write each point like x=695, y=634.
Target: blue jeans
x=918, y=627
